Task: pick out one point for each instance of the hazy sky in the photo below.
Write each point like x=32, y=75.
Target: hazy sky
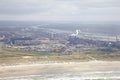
x=60, y=10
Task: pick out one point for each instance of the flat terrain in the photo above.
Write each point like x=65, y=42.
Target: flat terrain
x=55, y=68
x=14, y=62
x=9, y=57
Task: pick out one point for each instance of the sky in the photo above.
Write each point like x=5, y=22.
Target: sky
x=60, y=10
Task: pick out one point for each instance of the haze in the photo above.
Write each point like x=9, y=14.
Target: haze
x=60, y=10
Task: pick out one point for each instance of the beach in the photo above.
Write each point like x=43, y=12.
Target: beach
x=50, y=68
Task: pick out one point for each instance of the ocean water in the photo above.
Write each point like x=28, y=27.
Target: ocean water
x=109, y=75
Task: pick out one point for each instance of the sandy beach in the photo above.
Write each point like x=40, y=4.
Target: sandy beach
x=54, y=68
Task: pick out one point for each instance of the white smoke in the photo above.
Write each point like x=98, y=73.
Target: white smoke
x=76, y=33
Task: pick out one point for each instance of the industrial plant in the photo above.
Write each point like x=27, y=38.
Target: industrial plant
x=47, y=40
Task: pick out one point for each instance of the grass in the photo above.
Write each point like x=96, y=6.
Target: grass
x=15, y=56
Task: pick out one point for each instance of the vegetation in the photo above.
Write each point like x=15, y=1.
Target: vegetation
x=15, y=56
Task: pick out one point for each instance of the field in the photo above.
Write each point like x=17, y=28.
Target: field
x=15, y=56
